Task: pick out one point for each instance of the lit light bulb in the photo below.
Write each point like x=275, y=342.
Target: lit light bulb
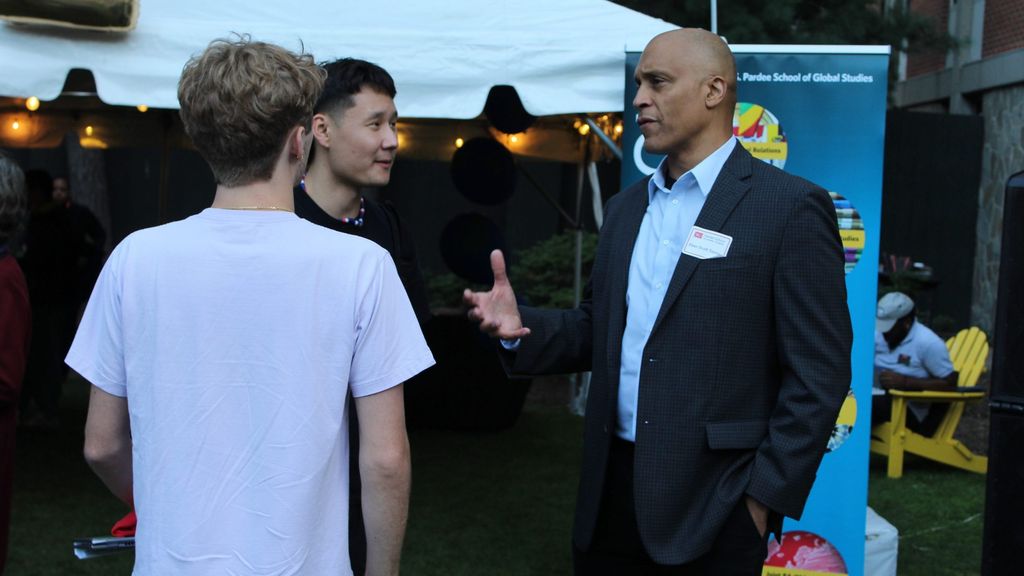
x=459, y=142
x=15, y=125
x=618, y=128
x=576, y=124
x=584, y=129
x=32, y=103
x=88, y=130
x=514, y=139
x=142, y=107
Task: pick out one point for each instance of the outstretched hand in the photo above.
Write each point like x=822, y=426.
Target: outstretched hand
x=496, y=310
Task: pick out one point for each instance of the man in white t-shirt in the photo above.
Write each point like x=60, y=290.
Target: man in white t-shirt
x=221, y=349
x=908, y=356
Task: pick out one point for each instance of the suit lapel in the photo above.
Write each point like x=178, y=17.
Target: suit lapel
x=732, y=184
x=624, y=238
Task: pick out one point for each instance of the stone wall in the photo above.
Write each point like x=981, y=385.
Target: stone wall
x=1003, y=156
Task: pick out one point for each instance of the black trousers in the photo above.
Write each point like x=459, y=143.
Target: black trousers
x=616, y=548
x=881, y=411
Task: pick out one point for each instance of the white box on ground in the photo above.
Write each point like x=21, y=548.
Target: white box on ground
x=881, y=543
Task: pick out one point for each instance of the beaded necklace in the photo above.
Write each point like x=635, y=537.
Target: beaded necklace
x=356, y=221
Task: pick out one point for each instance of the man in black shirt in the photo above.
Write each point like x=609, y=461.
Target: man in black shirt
x=355, y=139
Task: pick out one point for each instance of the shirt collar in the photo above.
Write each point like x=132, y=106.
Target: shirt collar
x=705, y=173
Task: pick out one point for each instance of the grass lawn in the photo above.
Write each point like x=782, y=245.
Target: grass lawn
x=939, y=512
x=496, y=503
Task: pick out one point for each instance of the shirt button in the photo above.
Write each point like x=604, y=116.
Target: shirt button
x=664, y=242
x=658, y=285
x=675, y=201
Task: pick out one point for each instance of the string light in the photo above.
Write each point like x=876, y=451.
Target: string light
x=459, y=142
x=32, y=103
x=88, y=130
x=618, y=128
x=142, y=107
x=15, y=125
x=584, y=129
x=514, y=139
x=576, y=124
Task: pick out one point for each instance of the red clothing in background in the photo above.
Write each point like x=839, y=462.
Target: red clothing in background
x=15, y=328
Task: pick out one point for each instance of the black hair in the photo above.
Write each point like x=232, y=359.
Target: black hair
x=346, y=77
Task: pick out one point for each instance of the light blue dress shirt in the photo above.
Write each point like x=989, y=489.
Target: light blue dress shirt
x=671, y=213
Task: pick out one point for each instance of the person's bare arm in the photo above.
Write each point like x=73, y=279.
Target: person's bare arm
x=385, y=468
x=891, y=380
x=108, y=442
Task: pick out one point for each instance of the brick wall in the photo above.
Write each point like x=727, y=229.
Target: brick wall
x=1004, y=27
x=920, y=63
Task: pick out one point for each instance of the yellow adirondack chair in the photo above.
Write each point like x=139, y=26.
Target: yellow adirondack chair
x=968, y=350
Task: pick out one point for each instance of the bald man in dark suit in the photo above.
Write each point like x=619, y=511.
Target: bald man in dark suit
x=716, y=326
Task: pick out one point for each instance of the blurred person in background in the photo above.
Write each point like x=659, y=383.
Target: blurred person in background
x=15, y=329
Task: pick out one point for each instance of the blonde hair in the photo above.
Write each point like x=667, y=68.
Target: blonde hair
x=13, y=203
x=240, y=99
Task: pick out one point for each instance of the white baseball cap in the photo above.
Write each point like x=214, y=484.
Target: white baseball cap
x=892, y=307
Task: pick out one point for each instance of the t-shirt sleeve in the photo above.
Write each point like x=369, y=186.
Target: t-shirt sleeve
x=389, y=347
x=936, y=360
x=97, y=352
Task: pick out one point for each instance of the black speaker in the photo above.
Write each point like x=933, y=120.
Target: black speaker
x=1003, y=548
x=1008, y=357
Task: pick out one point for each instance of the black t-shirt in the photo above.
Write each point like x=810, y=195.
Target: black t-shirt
x=382, y=226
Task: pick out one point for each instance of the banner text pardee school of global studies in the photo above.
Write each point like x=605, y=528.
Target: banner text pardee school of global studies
x=820, y=77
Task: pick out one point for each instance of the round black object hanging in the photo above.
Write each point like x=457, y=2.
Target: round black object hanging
x=466, y=245
x=484, y=171
x=506, y=112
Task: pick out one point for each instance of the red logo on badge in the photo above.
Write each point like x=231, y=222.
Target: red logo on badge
x=698, y=234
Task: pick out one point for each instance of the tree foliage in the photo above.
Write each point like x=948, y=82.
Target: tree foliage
x=804, y=22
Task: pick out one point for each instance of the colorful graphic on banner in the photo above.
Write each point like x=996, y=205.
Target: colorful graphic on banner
x=851, y=229
x=791, y=99
x=759, y=131
x=803, y=554
x=844, y=423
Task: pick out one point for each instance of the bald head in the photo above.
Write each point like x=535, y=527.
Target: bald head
x=704, y=51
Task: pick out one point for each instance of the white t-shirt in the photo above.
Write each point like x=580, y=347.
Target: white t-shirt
x=236, y=336
x=921, y=354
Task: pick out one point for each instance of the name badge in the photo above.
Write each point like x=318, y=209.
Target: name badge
x=705, y=244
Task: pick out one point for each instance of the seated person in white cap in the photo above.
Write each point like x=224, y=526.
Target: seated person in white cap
x=909, y=356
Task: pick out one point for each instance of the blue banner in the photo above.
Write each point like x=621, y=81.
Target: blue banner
x=817, y=112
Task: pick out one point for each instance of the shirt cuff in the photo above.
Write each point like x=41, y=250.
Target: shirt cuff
x=510, y=345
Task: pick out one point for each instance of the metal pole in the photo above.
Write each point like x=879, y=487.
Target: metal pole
x=714, y=16
x=604, y=138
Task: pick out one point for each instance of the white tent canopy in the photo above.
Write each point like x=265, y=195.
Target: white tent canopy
x=562, y=57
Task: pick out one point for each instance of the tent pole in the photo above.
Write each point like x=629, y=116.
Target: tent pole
x=714, y=16
x=604, y=138
x=578, y=386
x=547, y=196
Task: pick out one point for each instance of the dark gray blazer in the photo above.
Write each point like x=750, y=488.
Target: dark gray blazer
x=744, y=371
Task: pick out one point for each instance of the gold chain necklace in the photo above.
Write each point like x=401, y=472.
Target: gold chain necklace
x=256, y=208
